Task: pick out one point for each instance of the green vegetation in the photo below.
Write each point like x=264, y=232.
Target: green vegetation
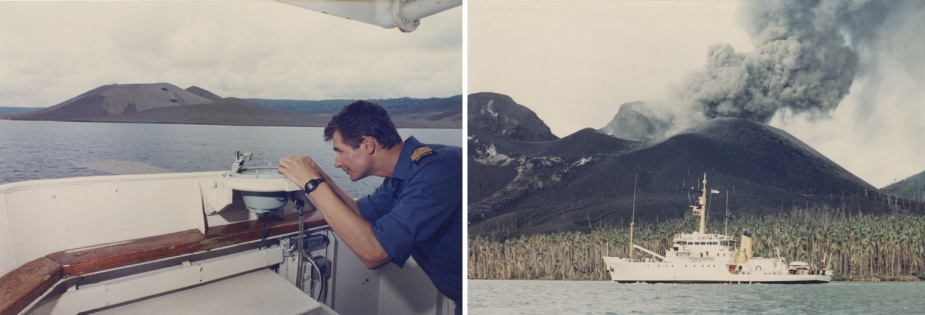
x=855, y=246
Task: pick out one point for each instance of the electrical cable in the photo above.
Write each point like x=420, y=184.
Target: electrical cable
x=323, y=292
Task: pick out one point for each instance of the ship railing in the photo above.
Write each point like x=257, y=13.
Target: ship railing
x=686, y=236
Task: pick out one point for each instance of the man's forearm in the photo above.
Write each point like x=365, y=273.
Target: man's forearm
x=341, y=195
x=349, y=225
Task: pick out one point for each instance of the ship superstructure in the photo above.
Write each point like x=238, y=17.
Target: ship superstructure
x=701, y=257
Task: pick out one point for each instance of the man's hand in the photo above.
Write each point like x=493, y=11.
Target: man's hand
x=340, y=211
x=300, y=169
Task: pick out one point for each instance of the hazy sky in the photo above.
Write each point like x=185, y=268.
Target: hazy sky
x=52, y=51
x=575, y=62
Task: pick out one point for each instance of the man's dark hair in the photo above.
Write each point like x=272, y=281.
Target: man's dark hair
x=362, y=118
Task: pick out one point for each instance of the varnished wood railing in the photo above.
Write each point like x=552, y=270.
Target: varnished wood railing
x=23, y=285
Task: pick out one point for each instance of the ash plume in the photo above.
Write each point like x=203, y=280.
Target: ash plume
x=807, y=55
x=805, y=59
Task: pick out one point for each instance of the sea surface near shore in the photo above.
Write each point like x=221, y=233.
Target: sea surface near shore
x=33, y=150
x=605, y=297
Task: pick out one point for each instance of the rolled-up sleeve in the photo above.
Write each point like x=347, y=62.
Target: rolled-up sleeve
x=377, y=204
x=428, y=201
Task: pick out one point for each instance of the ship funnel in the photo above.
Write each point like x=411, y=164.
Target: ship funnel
x=745, y=249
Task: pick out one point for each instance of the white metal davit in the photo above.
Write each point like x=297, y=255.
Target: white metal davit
x=404, y=14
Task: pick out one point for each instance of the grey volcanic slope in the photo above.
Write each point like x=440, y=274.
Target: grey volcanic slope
x=583, y=182
x=502, y=170
x=912, y=188
x=116, y=99
x=203, y=92
x=497, y=127
x=228, y=111
x=499, y=115
x=495, y=122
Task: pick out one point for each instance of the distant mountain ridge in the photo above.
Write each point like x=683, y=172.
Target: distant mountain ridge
x=167, y=103
x=585, y=181
x=17, y=110
x=403, y=105
x=434, y=112
x=912, y=188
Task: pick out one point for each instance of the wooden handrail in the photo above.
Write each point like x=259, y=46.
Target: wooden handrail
x=79, y=262
x=21, y=286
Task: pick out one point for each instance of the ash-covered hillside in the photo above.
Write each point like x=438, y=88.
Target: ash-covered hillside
x=167, y=103
x=116, y=99
x=912, y=188
x=227, y=111
x=497, y=114
x=585, y=181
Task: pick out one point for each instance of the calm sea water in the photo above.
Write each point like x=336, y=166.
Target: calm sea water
x=46, y=149
x=604, y=297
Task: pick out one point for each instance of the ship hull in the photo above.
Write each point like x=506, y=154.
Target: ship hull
x=624, y=271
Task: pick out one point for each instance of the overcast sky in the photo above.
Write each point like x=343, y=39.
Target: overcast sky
x=52, y=51
x=575, y=62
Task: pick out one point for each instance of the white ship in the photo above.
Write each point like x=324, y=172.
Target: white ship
x=700, y=257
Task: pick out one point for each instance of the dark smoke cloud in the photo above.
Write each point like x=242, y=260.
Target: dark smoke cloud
x=805, y=60
x=807, y=55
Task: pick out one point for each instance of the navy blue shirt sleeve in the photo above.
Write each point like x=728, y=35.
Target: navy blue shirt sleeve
x=429, y=200
x=377, y=204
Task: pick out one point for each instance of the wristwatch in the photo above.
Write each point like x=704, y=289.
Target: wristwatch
x=311, y=185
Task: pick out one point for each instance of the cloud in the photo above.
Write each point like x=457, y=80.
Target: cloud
x=844, y=76
x=875, y=132
x=263, y=49
x=574, y=62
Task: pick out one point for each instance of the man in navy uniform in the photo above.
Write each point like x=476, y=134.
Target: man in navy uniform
x=416, y=212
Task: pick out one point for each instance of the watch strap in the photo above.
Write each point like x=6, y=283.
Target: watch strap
x=311, y=185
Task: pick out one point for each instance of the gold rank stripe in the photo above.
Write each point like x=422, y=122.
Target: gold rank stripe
x=420, y=153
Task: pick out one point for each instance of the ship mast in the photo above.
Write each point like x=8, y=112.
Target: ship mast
x=701, y=208
x=633, y=220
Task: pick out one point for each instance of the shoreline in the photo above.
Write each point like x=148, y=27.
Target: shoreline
x=398, y=123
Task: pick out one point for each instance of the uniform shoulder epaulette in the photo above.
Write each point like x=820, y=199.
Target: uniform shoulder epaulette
x=420, y=153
